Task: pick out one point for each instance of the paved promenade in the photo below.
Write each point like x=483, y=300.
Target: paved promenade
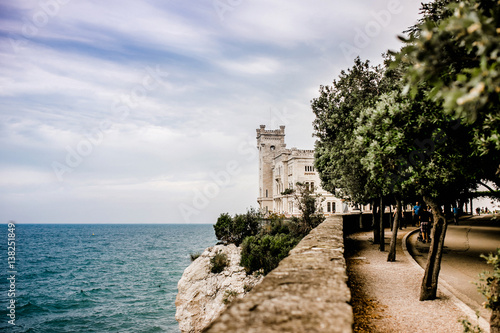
x=385, y=295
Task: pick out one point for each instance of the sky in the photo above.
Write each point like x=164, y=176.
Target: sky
x=145, y=111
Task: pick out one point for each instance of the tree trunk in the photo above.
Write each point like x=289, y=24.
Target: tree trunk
x=382, y=236
x=375, y=225
x=390, y=217
x=361, y=220
x=429, y=286
x=392, y=251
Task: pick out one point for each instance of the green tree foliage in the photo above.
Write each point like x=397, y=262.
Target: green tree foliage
x=337, y=109
x=490, y=288
x=456, y=49
x=412, y=147
x=374, y=139
x=452, y=58
x=265, y=242
x=264, y=252
x=234, y=229
x=309, y=204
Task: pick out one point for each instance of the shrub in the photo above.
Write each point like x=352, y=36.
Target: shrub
x=234, y=229
x=489, y=286
x=194, y=256
x=218, y=263
x=223, y=227
x=264, y=252
x=309, y=204
x=229, y=295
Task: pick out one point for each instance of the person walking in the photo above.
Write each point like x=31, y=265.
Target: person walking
x=455, y=215
x=415, y=212
x=425, y=224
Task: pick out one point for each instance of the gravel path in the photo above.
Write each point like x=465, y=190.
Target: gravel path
x=385, y=295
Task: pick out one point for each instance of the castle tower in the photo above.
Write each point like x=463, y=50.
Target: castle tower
x=269, y=143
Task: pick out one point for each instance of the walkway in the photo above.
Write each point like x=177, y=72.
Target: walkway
x=385, y=295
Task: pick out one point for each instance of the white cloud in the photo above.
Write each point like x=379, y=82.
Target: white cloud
x=261, y=64
x=253, y=66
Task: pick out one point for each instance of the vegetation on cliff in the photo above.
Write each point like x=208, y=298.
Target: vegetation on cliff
x=266, y=240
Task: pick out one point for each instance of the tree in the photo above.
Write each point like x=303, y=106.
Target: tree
x=337, y=109
x=397, y=220
x=309, y=204
x=453, y=53
x=457, y=52
x=234, y=229
x=374, y=140
x=413, y=147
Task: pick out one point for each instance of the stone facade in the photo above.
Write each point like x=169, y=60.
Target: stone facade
x=281, y=168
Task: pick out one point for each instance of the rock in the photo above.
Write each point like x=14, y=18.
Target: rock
x=202, y=296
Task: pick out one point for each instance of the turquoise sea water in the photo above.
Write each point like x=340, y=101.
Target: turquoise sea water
x=97, y=278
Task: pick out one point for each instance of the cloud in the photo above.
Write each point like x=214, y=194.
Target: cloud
x=254, y=66
x=77, y=89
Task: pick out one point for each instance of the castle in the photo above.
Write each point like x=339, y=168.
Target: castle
x=281, y=168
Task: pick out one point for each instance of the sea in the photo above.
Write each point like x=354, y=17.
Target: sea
x=95, y=277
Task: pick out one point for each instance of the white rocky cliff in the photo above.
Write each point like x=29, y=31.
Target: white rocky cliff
x=203, y=295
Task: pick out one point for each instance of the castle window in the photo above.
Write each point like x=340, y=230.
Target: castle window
x=272, y=147
x=329, y=207
x=312, y=186
x=266, y=194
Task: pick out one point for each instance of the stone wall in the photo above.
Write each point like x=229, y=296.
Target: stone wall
x=307, y=292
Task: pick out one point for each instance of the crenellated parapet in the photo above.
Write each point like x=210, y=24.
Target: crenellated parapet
x=302, y=152
x=281, y=168
x=262, y=131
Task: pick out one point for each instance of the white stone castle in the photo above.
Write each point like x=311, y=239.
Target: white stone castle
x=281, y=168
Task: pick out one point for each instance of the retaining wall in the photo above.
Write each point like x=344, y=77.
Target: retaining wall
x=307, y=292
